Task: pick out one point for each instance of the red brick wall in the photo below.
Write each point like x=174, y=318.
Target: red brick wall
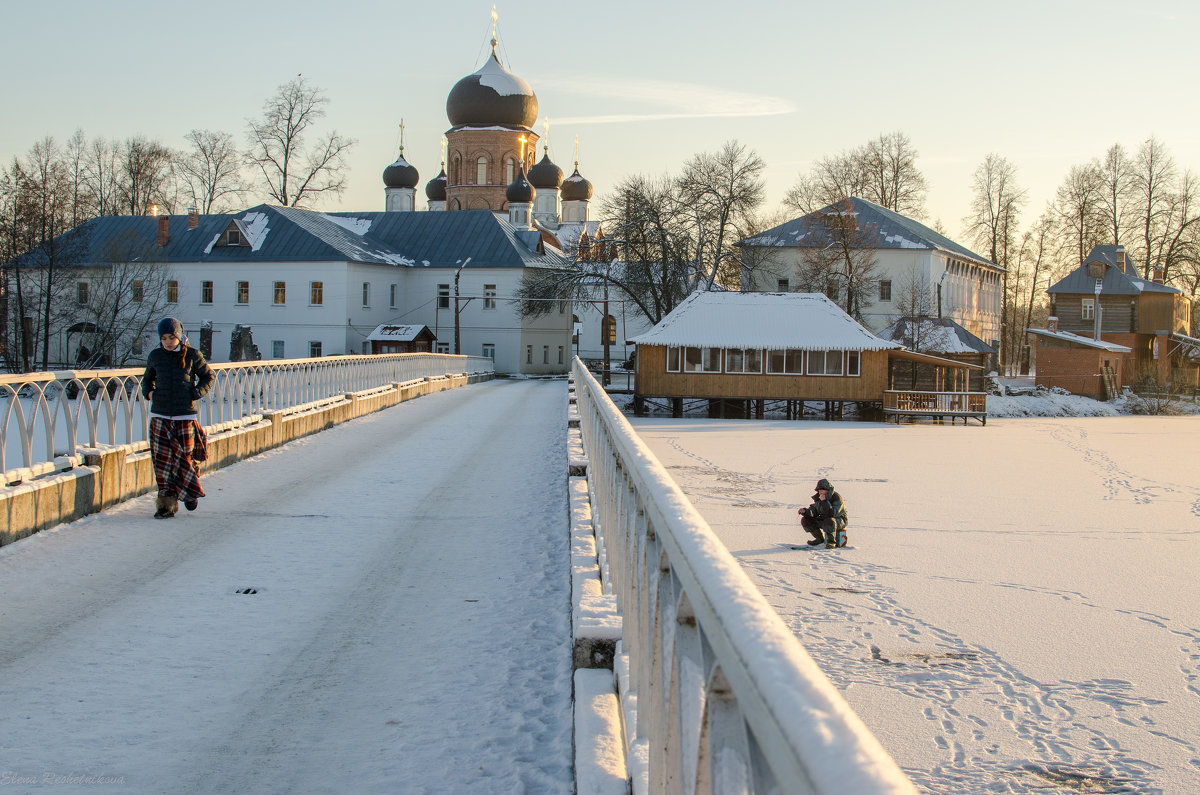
x=464, y=147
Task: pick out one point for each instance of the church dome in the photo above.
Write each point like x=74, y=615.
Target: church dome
x=400, y=174
x=520, y=191
x=576, y=188
x=435, y=189
x=545, y=174
x=492, y=95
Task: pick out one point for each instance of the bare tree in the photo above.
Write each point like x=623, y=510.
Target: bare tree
x=102, y=176
x=292, y=175
x=145, y=174
x=882, y=171
x=721, y=189
x=211, y=170
x=1078, y=207
x=1116, y=186
x=996, y=204
x=841, y=261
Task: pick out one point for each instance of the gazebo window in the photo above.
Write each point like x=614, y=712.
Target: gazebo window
x=825, y=362
x=673, y=359
x=743, y=360
x=853, y=363
x=702, y=360
x=785, y=362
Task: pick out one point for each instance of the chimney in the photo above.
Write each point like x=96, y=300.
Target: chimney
x=1052, y=324
x=193, y=218
x=164, y=230
x=1121, y=258
x=1158, y=275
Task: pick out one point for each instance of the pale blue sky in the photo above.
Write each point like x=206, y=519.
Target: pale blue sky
x=1046, y=84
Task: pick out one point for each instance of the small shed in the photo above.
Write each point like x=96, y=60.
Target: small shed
x=1082, y=365
x=761, y=346
x=400, y=338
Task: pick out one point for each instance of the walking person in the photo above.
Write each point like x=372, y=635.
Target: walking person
x=826, y=518
x=176, y=377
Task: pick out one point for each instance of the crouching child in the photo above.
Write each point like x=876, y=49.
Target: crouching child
x=826, y=519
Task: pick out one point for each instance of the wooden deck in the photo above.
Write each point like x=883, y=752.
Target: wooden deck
x=935, y=405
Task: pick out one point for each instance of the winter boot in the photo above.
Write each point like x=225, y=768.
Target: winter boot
x=167, y=506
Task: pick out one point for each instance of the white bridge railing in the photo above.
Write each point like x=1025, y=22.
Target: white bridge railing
x=46, y=418
x=727, y=699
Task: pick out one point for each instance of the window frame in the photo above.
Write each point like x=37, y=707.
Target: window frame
x=742, y=356
x=366, y=295
x=704, y=359
x=279, y=294
x=243, y=293
x=789, y=355
x=206, y=292
x=825, y=360
x=172, y=291
x=885, y=290
x=1088, y=309
x=673, y=351
x=278, y=349
x=138, y=291
x=443, y=296
x=489, y=296
x=316, y=293
x=315, y=349
x=82, y=292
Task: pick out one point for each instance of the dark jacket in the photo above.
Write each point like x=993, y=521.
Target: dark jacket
x=175, y=387
x=831, y=508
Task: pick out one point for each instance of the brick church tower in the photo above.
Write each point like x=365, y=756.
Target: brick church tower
x=491, y=113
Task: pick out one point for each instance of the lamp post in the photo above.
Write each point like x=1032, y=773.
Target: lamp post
x=1096, y=312
x=457, y=273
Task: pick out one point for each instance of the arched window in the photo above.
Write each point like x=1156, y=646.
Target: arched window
x=456, y=171
x=509, y=173
x=481, y=171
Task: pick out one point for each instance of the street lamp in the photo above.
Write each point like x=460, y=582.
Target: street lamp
x=1096, y=312
x=457, y=273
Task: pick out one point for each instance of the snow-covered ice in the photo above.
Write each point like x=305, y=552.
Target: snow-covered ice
x=410, y=630
x=1018, y=611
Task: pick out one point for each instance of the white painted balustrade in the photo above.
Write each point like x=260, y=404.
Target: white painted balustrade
x=47, y=418
x=720, y=695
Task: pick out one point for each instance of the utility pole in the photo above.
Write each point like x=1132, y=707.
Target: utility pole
x=457, y=273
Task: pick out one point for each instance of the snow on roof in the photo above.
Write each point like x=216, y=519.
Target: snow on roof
x=774, y=321
x=396, y=332
x=1075, y=339
x=935, y=335
x=500, y=80
x=358, y=226
x=255, y=227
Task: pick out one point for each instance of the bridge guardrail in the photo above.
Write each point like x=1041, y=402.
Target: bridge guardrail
x=727, y=699
x=47, y=418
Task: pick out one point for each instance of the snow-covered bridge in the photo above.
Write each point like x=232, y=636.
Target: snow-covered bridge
x=385, y=607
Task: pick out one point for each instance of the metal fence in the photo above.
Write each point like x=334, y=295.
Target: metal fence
x=727, y=699
x=46, y=418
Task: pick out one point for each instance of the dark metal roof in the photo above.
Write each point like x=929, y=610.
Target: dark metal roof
x=891, y=231
x=287, y=234
x=942, y=335
x=1115, y=281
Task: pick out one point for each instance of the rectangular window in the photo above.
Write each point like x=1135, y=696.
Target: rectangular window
x=206, y=292
x=743, y=360
x=316, y=293
x=442, y=347
x=314, y=349
x=853, y=363
x=489, y=350
x=672, y=360
x=545, y=354
x=233, y=238
x=702, y=360
x=243, y=292
x=172, y=292
x=392, y=296
x=366, y=294
x=528, y=354
x=137, y=292
x=489, y=296
x=789, y=361
x=825, y=362
x=1089, y=308
x=277, y=349
x=885, y=290
x=443, y=296
x=782, y=285
x=560, y=354
x=81, y=292
x=280, y=296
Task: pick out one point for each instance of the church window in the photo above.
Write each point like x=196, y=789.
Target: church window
x=509, y=173
x=481, y=171
x=456, y=171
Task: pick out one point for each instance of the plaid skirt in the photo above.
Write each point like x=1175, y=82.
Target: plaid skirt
x=171, y=447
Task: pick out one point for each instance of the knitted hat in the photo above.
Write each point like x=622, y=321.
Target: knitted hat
x=169, y=325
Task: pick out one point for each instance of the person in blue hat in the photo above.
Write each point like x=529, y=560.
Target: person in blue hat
x=176, y=377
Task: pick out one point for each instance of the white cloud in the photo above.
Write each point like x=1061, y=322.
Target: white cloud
x=670, y=100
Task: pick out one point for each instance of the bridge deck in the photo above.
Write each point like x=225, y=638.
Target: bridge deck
x=408, y=629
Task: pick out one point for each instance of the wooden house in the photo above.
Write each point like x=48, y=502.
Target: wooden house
x=945, y=339
x=401, y=338
x=760, y=346
x=1105, y=300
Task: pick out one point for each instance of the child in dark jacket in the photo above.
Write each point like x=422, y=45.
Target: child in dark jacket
x=176, y=377
x=826, y=518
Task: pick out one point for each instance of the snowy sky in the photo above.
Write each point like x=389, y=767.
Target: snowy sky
x=1047, y=84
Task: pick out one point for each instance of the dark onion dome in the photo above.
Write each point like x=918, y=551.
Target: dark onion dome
x=492, y=95
x=546, y=175
x=435, y=189
x=576, y=188
x=520, y=191
x=400, y=174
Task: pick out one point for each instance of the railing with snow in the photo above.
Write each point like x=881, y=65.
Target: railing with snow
x=915, y=403
x=727, y=699
x=47, y=418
